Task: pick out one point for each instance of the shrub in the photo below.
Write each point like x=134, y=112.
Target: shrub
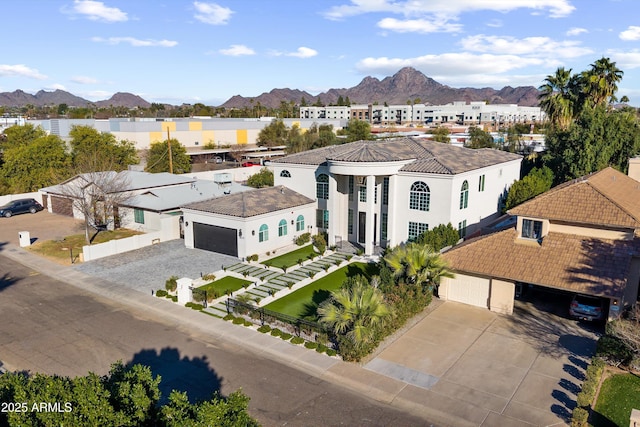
x=349, y=257
x=590, y=384
x=290, y=284
x=171, y=284
x=268, y=253
x=338, y=262
x=238, y=321
x=303, y=239
x=276, y=332
x=247, y=323
x=326, y=267
x=197, y=307
x=312, y=274
x=297, y=340
x=210, y=277
x=320, y=243
x=161, y=293
x=254, y=257
x=579, y=417
x=229, y=317
x=286, y=336
x=264, y=329
x=311, y=345
x=333, y=247
x=613, y=349
x=321, y=348
x=300, y=261
x=173, y=298
x=331, y=352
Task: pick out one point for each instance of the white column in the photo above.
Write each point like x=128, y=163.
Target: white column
x=368, y=241
x=392, y=235
x=333, y=208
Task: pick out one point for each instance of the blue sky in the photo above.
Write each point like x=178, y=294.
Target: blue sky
x=179, y=51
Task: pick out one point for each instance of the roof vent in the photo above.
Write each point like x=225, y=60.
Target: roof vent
x=281, y=190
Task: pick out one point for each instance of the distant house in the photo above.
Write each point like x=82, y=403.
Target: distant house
x=580, y=237
x=247, y=223
x=379, y=194
x=148, y=197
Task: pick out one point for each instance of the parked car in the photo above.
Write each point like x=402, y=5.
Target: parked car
x=247, y=164
x=588, y=308
x=20, y=206
x=217, y=159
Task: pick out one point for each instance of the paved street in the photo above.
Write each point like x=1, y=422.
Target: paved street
x=51, y=327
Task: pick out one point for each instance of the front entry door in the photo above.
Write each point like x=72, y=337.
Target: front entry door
x=362, y=226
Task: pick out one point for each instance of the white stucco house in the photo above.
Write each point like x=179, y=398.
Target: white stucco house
x=382, y=193
x=249, y=222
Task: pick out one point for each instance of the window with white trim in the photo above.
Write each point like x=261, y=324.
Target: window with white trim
x=350, y=222
x=419, y=196
x=531, y=229
x=385, y=190
x=138, y=216
x=362, y=191
x=383, y=227
x=351, y=186
x=462, y=228
x=464, y=195
x=263, y=233
x=322, y=218
x=416, y=229
x=300, y=223
x=322, y=186
x=282, y=228
x=481, y=183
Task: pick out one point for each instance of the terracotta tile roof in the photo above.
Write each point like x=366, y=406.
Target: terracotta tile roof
x=563, y=261
x=606, y=198
x=251, y=203
x=429, y=156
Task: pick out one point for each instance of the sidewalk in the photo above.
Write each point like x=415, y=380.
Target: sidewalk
x=352, y=376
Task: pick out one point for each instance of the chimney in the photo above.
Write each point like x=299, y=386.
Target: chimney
x=634, y=168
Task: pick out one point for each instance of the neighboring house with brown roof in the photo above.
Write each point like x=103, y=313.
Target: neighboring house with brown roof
x=579, y=237
x=383, y=193
x=250, y=222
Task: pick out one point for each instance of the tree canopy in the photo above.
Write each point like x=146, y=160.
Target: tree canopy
x=158, y=157
x=127, y=396
x=537, y=181
x=93, y=150
x=264, y=178
x=479, y=138
x=358, y=130
x=439, y=237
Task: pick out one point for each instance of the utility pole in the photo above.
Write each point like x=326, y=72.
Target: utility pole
x=170, y=155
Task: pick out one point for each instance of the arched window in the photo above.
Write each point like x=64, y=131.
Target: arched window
x=322, y=186
x=464, y=195
x=300, y=223
x=263, y=234
x=285, y=174
x=282, y=228
x=420, y=196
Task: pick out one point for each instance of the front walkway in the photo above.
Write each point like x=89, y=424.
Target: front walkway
x=273, y=282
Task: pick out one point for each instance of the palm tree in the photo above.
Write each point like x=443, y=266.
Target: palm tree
x=558, y=97
x=354, y=311
x=601, y=82
x=417, y=264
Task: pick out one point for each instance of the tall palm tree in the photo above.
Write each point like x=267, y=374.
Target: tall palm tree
x=601, y=81
x=354, y=311
x=558, y=97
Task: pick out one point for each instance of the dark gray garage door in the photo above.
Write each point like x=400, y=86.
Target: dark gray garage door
x=215, y=239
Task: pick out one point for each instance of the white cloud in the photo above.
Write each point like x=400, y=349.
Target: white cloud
x=301, y=52
x=212, y=13
x=449, y=64
x=625, y=60
x=534, y=46
x=237, y=50
x=97, y=11
x=84, y=80
x=575, y=31
x=57, y=86
x=135, y=42
x=495, y=23
x=419, y=25
x=20, y=70
x=451, y=8
x=632, y=33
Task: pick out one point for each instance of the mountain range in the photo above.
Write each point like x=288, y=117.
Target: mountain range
x=408, y=84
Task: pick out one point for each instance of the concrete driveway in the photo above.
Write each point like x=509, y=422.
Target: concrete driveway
x=41, y=226
x=478, y=368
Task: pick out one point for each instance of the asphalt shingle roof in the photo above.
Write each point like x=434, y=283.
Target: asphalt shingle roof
x=428, y=156
x=253, y=202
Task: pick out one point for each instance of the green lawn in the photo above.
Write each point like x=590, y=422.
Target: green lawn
x=304, y=301
x=221, y=286
x=618, y=395
x=291, y=258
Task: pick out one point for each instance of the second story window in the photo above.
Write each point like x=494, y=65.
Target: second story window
x=464, y=195
x=420, y=196
x=322, y=186
x=531, y=229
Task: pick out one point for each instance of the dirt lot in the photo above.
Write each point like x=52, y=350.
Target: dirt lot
x=41, y=226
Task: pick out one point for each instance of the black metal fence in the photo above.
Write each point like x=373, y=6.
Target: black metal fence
x=311, y=331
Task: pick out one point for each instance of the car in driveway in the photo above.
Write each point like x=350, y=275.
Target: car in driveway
x=584, y=307
x=20, y=206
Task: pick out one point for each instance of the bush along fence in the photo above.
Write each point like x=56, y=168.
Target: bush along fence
x=310, y=331
x=586, y=396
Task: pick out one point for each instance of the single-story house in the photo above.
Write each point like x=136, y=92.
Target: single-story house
x=248, y=222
